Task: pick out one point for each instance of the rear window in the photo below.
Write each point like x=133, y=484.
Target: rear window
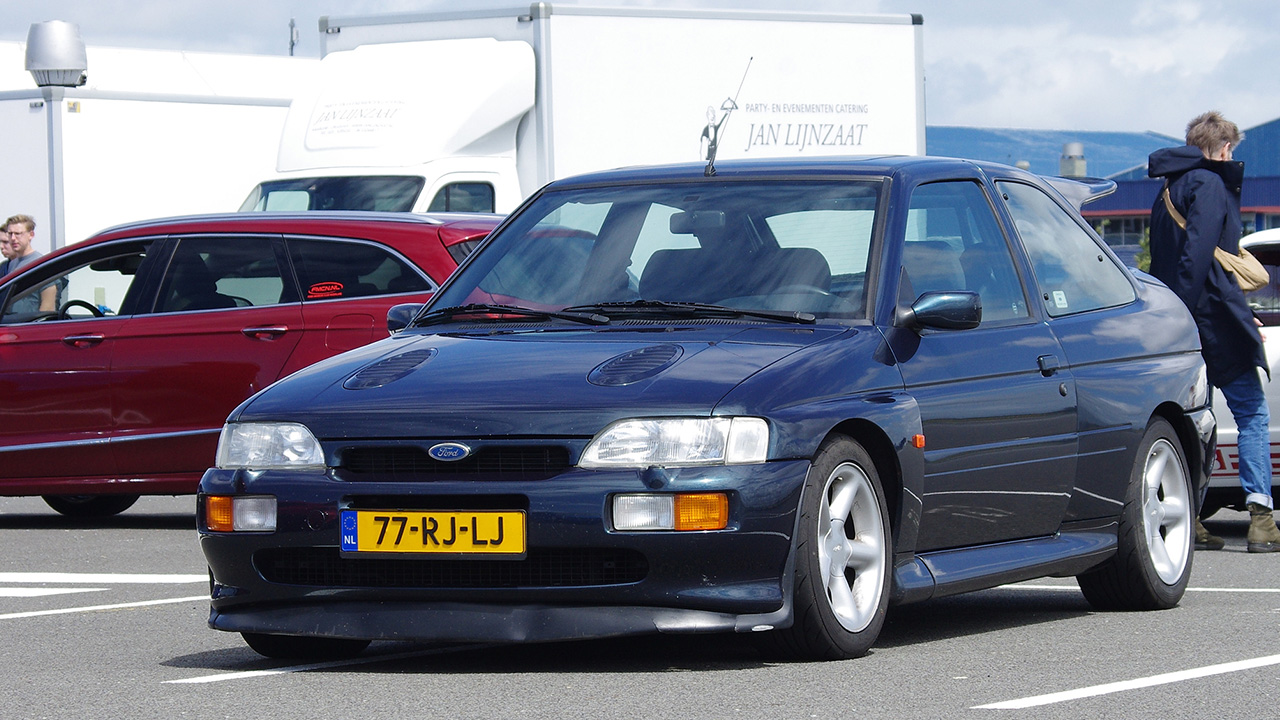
x=384, y=193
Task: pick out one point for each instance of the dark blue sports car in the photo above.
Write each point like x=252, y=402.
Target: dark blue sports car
x=776, y=397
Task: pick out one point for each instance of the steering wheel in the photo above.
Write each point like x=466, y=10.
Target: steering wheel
x=62, y=311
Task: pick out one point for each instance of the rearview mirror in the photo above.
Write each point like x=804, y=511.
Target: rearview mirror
x=694, y=222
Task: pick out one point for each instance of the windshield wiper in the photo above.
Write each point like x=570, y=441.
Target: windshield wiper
x=446, y=314
x=691, y=309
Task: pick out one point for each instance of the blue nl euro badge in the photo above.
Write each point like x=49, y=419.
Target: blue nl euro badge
x=349, y=524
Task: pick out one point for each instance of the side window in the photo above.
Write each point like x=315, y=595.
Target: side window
x=463, y=197
x=94, y=283
x=953, y=242
x=329, y=269
x=1072, y=270
x=212, y=273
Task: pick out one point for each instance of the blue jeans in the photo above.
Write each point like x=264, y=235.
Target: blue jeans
x=1248, y=405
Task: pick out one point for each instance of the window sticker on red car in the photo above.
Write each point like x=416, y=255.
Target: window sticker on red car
x=324, y=290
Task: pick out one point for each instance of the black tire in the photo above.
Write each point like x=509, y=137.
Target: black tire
x=840, y=617
x=90, y=506
x=293, y=647
x=1152, y=563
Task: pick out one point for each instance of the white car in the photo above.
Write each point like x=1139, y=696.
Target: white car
x=1224, y=483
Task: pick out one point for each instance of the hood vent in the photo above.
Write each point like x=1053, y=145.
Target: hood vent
x=388, y=370
x=634, y=366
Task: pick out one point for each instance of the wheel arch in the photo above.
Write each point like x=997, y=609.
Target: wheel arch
x=1197, y=456
x=876, y=442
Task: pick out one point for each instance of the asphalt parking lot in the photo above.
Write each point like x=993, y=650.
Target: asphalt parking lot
x=107, y=618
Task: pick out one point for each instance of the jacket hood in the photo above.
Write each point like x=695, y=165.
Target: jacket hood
x=1175, y=161
x=569, y=383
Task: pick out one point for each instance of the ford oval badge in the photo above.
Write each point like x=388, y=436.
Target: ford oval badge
x=449, y=451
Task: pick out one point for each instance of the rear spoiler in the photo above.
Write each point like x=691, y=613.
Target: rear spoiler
x=1082, y=190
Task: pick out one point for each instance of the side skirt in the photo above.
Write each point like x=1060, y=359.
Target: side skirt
x=949, y=572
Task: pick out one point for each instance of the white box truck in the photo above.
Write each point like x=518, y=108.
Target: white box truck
x=151, y=133
x=476, y=109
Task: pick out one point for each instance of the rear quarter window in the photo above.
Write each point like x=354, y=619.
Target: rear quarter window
x=334, y=269
x=1073, y=271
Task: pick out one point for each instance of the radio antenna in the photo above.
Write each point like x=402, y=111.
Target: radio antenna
x=712, y=132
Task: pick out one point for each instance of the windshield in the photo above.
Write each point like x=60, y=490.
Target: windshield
x=776, y=246
x=388, y=193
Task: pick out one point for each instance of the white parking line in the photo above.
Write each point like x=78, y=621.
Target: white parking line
x=1116, y=687
x=41, y=592
x=94, y=608
x=247, y=674
x=101, y=578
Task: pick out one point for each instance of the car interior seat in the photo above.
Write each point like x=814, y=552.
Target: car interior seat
x=193, y=287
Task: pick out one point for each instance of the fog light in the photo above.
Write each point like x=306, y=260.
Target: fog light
x=235, y=513
x=644, y=512
x=684, y=511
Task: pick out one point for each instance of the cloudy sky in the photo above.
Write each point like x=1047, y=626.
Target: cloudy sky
x=1129, y=65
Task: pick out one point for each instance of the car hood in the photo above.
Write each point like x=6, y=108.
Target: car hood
x=557, y=382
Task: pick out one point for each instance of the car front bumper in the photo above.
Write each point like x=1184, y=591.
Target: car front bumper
x=579, y=577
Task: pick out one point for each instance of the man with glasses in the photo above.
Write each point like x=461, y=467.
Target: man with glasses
x=19, y=230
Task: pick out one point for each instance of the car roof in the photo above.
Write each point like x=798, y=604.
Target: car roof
x=1076, y=190
x=293, y=222
x=1261, y=237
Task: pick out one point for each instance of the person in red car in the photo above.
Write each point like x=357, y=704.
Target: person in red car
x=19, y=231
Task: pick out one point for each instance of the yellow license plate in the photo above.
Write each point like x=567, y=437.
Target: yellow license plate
x=478, y=532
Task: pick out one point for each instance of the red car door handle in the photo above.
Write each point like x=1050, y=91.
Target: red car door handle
x=266, y=332
x=84, y=341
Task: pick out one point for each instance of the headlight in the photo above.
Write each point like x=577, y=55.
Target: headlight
x=677, y=442
x=268, y=446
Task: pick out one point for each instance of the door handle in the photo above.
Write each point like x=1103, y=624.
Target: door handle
x=84, y=341
x=1048, y=365
x=265, y=332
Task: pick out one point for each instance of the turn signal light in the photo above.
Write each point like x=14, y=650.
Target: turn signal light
x=702, y=511
x=217, y=513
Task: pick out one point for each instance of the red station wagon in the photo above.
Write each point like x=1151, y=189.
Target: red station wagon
x=163, y=327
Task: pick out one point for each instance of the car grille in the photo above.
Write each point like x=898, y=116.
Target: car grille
x=413, y=463
x=324, y=567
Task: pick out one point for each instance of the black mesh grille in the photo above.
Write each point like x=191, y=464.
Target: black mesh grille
x=413, y=463
x=324, y=567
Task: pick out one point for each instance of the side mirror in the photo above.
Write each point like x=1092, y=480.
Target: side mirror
x=399, y=316
x=951, y=310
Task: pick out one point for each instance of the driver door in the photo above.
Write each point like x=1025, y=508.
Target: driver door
x=55, y=389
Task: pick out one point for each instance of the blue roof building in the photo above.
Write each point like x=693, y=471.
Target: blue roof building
x=1105, y=153
x=1122, y=217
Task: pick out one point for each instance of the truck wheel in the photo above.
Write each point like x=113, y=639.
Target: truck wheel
x=843, y=552
x=303, y=648
x=90, y=506
x=1152, y=563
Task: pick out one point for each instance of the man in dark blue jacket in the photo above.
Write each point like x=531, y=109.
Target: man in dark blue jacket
x=1201, y=211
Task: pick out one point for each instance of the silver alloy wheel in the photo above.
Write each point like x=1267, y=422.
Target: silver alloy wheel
x=1166, y=511
x=851, y=547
